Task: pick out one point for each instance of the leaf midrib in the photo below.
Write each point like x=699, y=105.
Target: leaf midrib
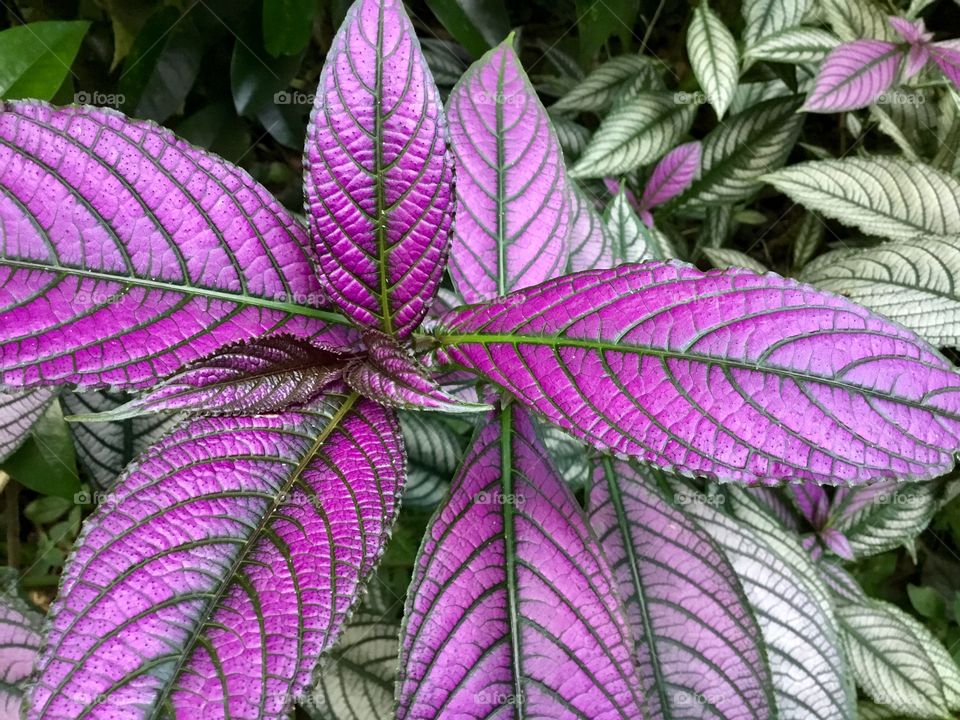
x=451, y=339
x=193, y=290
x=213, y=604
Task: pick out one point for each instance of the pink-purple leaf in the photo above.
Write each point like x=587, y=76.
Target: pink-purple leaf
x=20, y=639
x=740, y=376
x=854, y=75
x=590, y=243
x=391, y=375
x=513, y=212
x=513, y=611
x=671, y=176
x=222, y=565
x=946, y=55
x=262, y=376
x=125, y=253
x=18, y=412
x=812, y=502
x=914, y=33
x=378, y=178
x=698, y=644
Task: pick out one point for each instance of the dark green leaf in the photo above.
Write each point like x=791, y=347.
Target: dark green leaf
x=287, y=25
x=35, y=58
x=46, y=461
x=478, y=25
x=597, y=21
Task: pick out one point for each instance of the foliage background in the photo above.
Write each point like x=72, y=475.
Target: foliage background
x=237, y=76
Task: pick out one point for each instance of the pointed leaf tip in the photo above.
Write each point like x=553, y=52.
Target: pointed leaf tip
x=378, y=177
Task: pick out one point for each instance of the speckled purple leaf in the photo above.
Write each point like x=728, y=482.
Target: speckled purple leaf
x=513, y=611
x=390, y=375
x=18, y=412
x=671, y=176
x=263, y=376
x=513, y=214
x=946, y=55
x=126, y=253
x=377, y=174
x=20, y=639
x=590, y=243
x=699, y=648
x=854, y=75
x=727, y=373
x=222, y=565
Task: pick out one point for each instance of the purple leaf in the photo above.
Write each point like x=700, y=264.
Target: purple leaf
x=698, y=644
x=727, y=373
x=837, y=542
x=512, y=610
x=914, y=33
x=854, y=75
x=263, y=376
x=671, y=176
x=917, y=57
x=378, y=177
x=18, y=412
x=222, y=565
x=590, y=244
x=106, y=448
x=20, y=639
x=812, y=501
x=126, y=253
x=946, y=55
x=512, y=210
x=391, y=376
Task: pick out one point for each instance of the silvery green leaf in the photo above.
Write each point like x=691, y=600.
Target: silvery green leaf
x=883, y=196
x=842, y=584
x=792, y=607
x=598, y=90
x=632, y=241
x=794, y=45
x=888, y=662
x=636, y=133
x=573, y=136
x=570, y=456
x=766, y=17
x=356, y=680
x=20, y=639
x=943, y=662
x=738, y=152
x=884, y=515
x=914, y=282
x=447, y=60
x=855, y=19
x=433, y=452
x=726, y=258
x=718, y=226
x=948, y=133
x=749, y=94
x=806, y=237
x=713, y=55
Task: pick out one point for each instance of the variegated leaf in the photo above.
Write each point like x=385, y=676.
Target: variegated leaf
x=795, y=45
x=639, y=131
x=599, y=89
x=513, y=611
x=883, y=516
x=106, y=448
x=356, y=680
x=883, y=196
x=433, y=452
x=858, y=19
x=20, y=639
x=728, y=258
x=713, y=56
x=377, y=174
x=732, y=374
x=766, y=17
x=590, y=243
x=19, y=410
x=512, y=210
x=629, y=237
x=126, y=253
x=911, y=281
x=737, y=153
x=223, y=565
x=888, y=662
x=793, y=609
x=699, y=648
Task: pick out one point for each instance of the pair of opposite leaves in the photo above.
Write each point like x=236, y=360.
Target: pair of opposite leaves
x=127, y=255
